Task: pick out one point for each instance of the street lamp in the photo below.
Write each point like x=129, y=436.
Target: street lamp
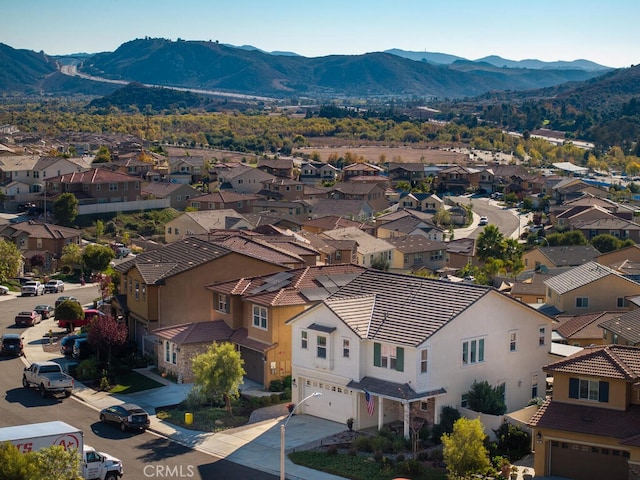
x=282, y=431
x=543, y=238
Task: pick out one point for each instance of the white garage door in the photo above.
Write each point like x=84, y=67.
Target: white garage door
x=335, y=403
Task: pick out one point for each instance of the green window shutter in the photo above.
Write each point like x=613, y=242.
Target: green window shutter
x=574, y=386
x=377, y=355
x=603, y=392
x=400, y=359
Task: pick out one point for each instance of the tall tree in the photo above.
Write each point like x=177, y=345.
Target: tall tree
x=10, y=260
x=65, y=209
x=106, y=333
x=97, y=257
x=464, y=451
x=72, y=256
x=218, y=372
x=490, y=243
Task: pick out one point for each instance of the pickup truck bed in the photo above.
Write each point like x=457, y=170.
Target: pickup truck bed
x=48, y=377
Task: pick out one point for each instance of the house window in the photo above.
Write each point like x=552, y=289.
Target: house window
x=541, y=336
x=304, y=339
x=622, y=302
x=113, y=187
x=176, y=231
x=137, y=290
x=388, y=356
x=39, y=243
x=588, y=389
x=534, y=385
x=223, y=303
x=259, y=317
x=473, y=351
x=513, y=344
x=178, y=198
x=167, y=351
x=144, y=292
x=423, y=361
x=464, y=400
x=169, y=230
x=174, y=354
x=321, y=343
x=346, y=348
x=582, y=302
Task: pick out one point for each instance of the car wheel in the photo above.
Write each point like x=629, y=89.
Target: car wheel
x=123, y=427
x=67, y=394
x=43, y=391
x=102, y=419
x=25, y=384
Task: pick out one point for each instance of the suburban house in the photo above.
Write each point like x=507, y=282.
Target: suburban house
x=590, y=427
x=289, y=190
x=406, y=222
x=414, y=173
x=582, y=330
x=278, y=167
x=414, y=344
x=417, y=252
x=241, y=178
x=256, y=310
x=356, y=210
x=179, y=194
x=44, y=239
x=186, y=169
x=590, y=288
x=317, y=172
x=570, y=188
x=363, y=169
x=156, y=285
x=462, y=252
x=372, y=193
x=618, y=227
x=423, y=202
x=622, y=329
x=631, y=253
x=531, y=290
x=239, y=202
x=328, y=222
x=332, y=251
x=457, y=179
x=94, y=186
x=299, y=210
x=560, y=256
x=370, y=250
x=198, y=223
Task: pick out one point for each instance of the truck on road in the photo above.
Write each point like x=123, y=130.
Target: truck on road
x=33, y=437
x=48, y=377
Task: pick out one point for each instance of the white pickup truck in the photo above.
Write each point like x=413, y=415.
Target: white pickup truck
x=33, y=437
x=32, y=287
x=48, y=377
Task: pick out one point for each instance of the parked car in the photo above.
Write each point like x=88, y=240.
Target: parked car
x=45, y=311
x=32, y=287
x=54, y=286
x=483, y=221
x=62, y=298
x=4, y=290
x=11, y=344
x=67, y=342
x=127, y=415
x=81, y=348
x=27, y=318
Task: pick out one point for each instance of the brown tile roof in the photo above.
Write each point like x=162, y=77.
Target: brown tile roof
x=583, y=326
x=331, y=222
x=93, y=176
x=224, y=197
x=172, y=259
x=241, y=337
x=44, y=230
x=626, y=325
x=198, y=332
x=606, y=361
x=605, y=422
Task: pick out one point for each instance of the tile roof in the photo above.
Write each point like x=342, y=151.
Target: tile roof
x=583, y=326
x=93, y=176
x=173, y=259
x=367, y=244
x=416, y=243
x=197, y=332
x=606, y=361
x=44, y=230
x=580, y=276
x=626, y=326
x=402, y=309
x=570, y=255
x=393, y=390
x=331, y=222
x=623, y=425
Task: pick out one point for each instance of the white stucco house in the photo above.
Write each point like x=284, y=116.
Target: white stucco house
x=415, y=345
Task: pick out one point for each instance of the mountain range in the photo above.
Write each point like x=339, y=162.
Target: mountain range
x=210, y=66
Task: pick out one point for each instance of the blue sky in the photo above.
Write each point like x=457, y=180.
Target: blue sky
x=598, y=30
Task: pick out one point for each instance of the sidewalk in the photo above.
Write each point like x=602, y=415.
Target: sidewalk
x=256, y=445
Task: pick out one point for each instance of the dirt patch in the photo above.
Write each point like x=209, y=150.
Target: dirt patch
x=376, y=154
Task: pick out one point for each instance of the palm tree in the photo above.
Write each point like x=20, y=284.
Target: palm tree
x=490, y=244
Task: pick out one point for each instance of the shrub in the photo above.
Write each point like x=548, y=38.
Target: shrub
x=352, y=452
x=400, y=457
x=422, y=455
x=411, y=466
x=448, y=417
x=87, y=369
x=513, y=442
x=484, y=398
x=276, y=386
x=332, y=450
x=363, y=444
x=379, y=443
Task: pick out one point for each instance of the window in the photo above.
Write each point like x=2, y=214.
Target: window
x=622, y=302
x=169, y=230
x=223, y=303
x=582, y=302
x=345, y=348
x=588, y=389
x=321, y=343
x=178, y=198
x=423, y=361
x=113, y=187
x=541, y=336
x=137, y=290
x=259, y=317
x=176, y=231
x=304, y=339
x=534, y=385
x=464, y=400
x=473, y=351
x=144, y=292
x=167, y=351
x=174, y=354
x=513, y=344
x=388, y=356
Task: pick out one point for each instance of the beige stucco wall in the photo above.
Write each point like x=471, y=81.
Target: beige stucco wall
x=617, y=392
x=603, y=295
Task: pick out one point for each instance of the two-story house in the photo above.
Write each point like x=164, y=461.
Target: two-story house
x=417, y=252
x=202, y=222
x=372, y=193
x=179, y=194
x=405, y=341
x=559, y=256
x=317, y=172
x=590, y=288
x=241, y=178
x=359, y=170
x=186, y=169
x=97, y=185
x=221, y=200
x=278, y=167
x=590, y=427
x=165, y=287
x=370, y=250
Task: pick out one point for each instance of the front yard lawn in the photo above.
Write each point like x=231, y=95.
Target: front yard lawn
x=205, y=419
x=133, y=382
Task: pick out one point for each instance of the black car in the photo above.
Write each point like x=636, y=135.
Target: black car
x=45, y=311
x=127, y=415
x=11, y=344
x=67, y=342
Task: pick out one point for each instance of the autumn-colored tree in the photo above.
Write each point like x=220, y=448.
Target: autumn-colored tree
x=106, y=333
x=464, y=452
x=10, y=260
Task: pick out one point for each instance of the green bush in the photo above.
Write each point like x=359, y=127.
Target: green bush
x=411, y=466
x=422, y=455
x=87, y=369
x=332, y=450
x=448, y=417
x=484, y=398
x=380, y=443
x=276, y=386
x=513, y=442
x=362, y=444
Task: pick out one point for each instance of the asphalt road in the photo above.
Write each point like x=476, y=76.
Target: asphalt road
x=505, y=219
x=144, y=455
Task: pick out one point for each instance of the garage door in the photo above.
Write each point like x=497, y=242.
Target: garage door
x=584, y=462
x=335, y=403
x=253, y=364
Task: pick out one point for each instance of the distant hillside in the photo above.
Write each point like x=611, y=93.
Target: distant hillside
x=149, y=99
x=212, y=66
x=22, y=70
x=428, y=57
